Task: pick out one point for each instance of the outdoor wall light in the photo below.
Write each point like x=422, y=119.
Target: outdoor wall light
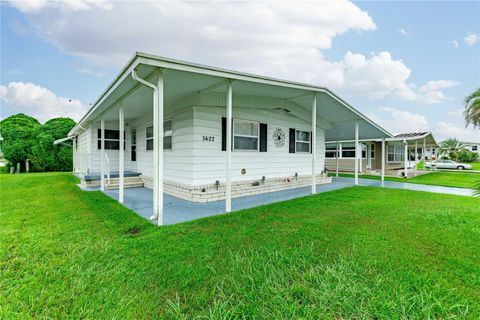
x=244, y=171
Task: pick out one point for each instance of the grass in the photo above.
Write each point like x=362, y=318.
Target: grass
x=360, y=252
x=475, y=165
x=438, y=178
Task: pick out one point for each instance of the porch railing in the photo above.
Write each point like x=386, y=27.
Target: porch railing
x=107, y=168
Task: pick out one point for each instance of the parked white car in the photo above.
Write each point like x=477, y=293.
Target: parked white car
x=449, y=164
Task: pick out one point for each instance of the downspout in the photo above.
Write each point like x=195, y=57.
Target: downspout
x=155, y=92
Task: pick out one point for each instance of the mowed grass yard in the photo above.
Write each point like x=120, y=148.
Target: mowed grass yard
x=438, y=178
x=360, y=252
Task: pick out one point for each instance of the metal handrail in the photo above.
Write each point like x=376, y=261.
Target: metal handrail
x=107, y=168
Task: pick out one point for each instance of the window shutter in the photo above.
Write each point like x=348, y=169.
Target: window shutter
x=263, y=137
x=224, y=134
x=291, y=139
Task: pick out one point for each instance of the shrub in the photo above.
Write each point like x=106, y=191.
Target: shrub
x=466, y=156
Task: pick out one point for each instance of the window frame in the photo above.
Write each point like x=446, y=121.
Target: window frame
x=304, y=142
x=166, y=134
x=245, y=136
x=333, y=151
x=401, y=154
x=99, y=139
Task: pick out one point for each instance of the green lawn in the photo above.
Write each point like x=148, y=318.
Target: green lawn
x=359, y=253
x=446, y=179
x=475, y=165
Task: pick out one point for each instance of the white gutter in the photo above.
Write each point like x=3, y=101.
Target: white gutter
x=155, y=92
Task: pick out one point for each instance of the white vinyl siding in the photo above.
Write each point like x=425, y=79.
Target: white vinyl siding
x=210, y=160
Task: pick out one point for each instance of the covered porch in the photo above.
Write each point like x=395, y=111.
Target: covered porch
x=404, y=155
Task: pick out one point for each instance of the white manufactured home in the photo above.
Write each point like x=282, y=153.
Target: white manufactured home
x=205, y=134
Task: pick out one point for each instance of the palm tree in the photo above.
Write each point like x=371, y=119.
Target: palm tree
x=450, y=148
x=472, y=109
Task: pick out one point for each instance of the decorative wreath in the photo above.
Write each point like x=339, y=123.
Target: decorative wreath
x=278, y=137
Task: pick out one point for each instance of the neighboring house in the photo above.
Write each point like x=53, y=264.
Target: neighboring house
x=472, y=146
x=204, y=134
x=399, y=154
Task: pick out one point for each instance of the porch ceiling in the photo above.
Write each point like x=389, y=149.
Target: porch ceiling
x=182, y=79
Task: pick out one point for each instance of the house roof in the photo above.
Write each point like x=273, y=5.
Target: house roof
x=184, y=78
x=409, y=138
x=410, y=135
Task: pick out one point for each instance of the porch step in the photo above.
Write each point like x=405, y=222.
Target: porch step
x=125, y=185
x=128, y=182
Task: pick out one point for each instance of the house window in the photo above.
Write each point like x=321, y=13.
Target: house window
x=112, y=139
x=302, y=141
x=474, y=148
x=372, y=151
x=348, y=151
x=133, y=147
x=245, y=135
x=395, y=153
x=330, y=151
x=167, y=136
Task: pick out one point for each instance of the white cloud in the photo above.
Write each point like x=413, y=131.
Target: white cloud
x=455, y=43
x=403, y=31
x=265, y=37
x=472, y=39
x=428, y=93
x=40, y=102
x=90, y=72
x=457, y=113
x=32, y=6
x=399, y=121
x=444, y=130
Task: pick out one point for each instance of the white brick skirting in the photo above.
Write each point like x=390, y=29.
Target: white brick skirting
x=211, y=192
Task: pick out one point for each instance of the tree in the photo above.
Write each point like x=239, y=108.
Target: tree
x=25, y=138
x=472, y=109
x=19, y=136
x=49, y=157
x=450, y=148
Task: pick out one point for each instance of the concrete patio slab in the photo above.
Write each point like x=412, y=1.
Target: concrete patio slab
x=178, y=210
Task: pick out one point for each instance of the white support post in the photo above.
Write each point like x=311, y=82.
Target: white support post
x=405, y=160
x=415, y=155
x=356, y=153
x=383, y=160
x=336, y=160
x=228, y=183
x=121, y=152
x=102, y=155
x=423, y=156
x=157, y=148
x=314, y=142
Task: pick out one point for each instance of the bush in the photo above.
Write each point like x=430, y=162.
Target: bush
x=466, y=156
x=25, y=138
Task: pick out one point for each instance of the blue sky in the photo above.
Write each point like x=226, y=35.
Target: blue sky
x=408, y=65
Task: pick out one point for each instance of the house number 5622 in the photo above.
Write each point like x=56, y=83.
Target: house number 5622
x=208, y=138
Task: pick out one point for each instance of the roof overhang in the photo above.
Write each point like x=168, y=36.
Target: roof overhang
x=419, y=139
x=183, y=78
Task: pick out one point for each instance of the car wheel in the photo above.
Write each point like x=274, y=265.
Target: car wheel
x=461, y=168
